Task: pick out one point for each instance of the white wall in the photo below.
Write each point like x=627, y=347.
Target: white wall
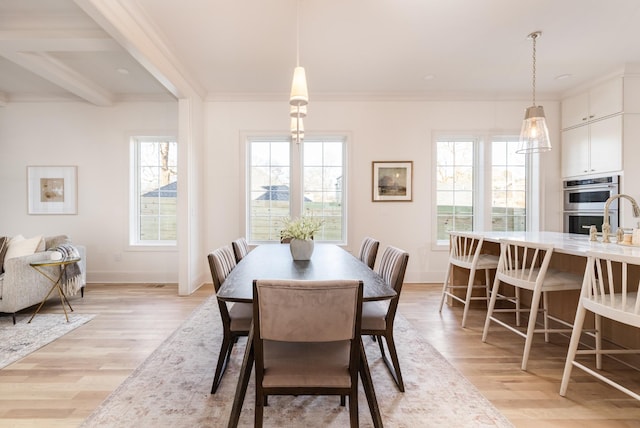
x=379, y=131
x=96, y=140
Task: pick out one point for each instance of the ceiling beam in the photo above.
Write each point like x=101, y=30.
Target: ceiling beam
x=51, y=69
x=124, y=21
x=57, y=41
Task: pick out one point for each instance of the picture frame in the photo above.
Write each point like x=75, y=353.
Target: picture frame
x=52, y=189
x=392, y=181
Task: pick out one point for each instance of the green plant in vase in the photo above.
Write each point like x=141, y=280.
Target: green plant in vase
x=301, y=231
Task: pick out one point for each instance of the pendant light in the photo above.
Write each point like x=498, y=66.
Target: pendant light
x=299, y=94
x=534, y=135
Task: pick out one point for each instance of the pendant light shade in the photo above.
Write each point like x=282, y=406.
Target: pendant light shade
x=534, y=135
x=299, y=93
x=296, y=111
x=297, y=129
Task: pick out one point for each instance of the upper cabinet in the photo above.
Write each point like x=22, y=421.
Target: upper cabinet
x=592, y=130
x=604, y=99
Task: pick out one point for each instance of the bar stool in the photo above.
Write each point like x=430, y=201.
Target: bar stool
x=466, y=253
x=525, y=265
x=608, y=291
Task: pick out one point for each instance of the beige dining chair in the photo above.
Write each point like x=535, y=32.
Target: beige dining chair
x=306, y=340
x=240, y=248
x=466, y=253
x=610, y=291
x=525, y=266
x=378, y=317
x=369, y=251
x=236, y=317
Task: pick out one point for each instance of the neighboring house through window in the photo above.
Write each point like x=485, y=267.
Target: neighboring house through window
x=154, y=191
x=287, y=180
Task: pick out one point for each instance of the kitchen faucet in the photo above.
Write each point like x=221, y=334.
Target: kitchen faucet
x=606, y=227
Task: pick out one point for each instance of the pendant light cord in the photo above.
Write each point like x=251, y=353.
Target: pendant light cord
x=297, y=33
x=534, y=36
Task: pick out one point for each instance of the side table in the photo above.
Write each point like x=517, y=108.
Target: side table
x=62, y=264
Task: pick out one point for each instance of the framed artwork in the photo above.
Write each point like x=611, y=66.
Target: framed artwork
x=52, y=189
x=392, y=181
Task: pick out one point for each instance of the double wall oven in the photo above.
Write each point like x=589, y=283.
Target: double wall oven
x=584, y=203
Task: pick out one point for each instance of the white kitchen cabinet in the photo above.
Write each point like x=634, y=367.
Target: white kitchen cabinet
x=593, y=148
x=604, y=99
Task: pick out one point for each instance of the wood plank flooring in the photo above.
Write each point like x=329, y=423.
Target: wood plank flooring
x=63, y=382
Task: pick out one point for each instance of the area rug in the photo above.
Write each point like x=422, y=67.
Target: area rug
x=21, y=339
x=172, y=388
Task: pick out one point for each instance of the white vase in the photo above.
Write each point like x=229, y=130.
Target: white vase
x=301, y=249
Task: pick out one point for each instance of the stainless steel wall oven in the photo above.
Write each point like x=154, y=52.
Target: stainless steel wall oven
x=584, y=201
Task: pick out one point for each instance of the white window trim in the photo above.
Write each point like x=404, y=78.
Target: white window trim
x=133, y=243
x=482, y=183
x=246, y=138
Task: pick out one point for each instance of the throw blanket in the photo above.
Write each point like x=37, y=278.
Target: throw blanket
x=71, y=280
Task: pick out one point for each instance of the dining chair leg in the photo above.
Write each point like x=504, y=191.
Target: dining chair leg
x=598, y=326
x=492, y=304
x=545, y=313
x=533, y=315
x=467, y=300
x=259, y=411
x=378, y=338
x=223, y=357
x=353, y=409
x=487, y=285
x=445, y=286
x=573, y=348
x=394, y=364
x=517, y=290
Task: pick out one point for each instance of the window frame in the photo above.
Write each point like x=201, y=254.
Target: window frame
x=482, y=178
x=133, y=239
x=296, y=185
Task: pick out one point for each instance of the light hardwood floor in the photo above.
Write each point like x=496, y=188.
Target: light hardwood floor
x=63, y=382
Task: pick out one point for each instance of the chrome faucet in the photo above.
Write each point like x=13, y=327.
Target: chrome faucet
x=606, y=227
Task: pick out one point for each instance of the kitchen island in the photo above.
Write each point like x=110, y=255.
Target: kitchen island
x=569, y=254
x=564, y=243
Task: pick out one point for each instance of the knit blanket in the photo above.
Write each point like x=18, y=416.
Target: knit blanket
x=71, y=280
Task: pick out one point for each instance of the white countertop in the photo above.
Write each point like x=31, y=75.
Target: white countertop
x=566, y=243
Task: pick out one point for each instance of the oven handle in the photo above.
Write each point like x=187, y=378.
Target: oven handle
x=591, y=187
x=589, y=212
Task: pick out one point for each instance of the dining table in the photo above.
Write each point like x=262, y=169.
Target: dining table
x=328, y=262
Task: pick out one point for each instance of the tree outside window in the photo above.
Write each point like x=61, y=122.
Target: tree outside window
x=155, y=182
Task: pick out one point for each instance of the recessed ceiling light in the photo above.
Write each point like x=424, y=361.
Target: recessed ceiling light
x=563, y=76
x=122, y=70
x=429, y=77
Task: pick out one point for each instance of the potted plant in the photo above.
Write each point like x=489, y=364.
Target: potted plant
x=300, y=232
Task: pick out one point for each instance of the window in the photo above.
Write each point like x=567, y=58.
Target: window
x=508, y=187
x=154, y=164
x=291, y=180
x=463, y=201
x=454, y=186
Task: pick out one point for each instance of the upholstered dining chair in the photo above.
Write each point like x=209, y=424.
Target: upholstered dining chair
x=525, y=266
x=236, y=318
x=240, y=248
x=369, y=251
x=466, y=253
x=378, y=317
x=610, y=290
x=306, y=340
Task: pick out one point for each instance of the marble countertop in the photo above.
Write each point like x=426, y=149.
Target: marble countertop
x=566, y=243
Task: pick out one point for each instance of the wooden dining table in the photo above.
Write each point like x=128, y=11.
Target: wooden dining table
x=328, y=262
